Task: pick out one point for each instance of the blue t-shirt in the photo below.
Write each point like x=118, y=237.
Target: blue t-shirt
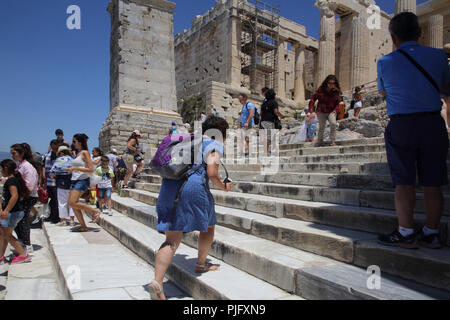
x=407, y=89
x=245, y=114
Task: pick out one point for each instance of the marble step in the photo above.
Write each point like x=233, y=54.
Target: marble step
x=335, y=150
x=146, y=241
x=339, y=143
x=282, y=264
x=320, y=189
x=95, y=266
x=375, y=221
x=372, y=157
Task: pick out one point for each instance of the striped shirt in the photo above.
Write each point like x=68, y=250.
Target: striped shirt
x=61, y=165
x=48, y=166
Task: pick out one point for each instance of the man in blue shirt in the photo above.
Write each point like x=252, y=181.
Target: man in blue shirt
x=416, y=137
x=247, y=114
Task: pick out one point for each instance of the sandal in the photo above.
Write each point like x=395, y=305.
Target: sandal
x=81, y=230
x=96, y=217
x=206, y=268
x=156, y=291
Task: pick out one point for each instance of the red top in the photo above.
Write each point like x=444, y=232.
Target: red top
x=327, y=102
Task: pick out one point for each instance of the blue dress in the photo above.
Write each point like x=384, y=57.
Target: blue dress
x=195, y=211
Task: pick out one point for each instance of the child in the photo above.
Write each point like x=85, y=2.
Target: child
x=105, y=187
x=14, y=191
x=311, y=124
x=358, y=100
x=63, y=181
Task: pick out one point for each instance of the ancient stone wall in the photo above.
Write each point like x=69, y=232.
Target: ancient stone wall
x=201, y=56
x=142, y=71
x=211, y=51
x=378, y=44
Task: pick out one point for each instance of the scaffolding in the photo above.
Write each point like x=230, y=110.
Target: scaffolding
x=260, y=38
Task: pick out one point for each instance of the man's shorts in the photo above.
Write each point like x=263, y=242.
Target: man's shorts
x=104, y=193
x=417, y=144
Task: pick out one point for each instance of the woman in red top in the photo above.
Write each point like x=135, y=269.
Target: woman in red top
x=329, y=99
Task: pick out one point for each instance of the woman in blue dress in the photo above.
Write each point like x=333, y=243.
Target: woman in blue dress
x=195, y=211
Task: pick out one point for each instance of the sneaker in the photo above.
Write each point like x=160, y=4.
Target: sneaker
x=20, y=259
x=29, y=249
x=38, y=219
x=431, y=242
x=395, y=239
x=3, y=260
x=62, y=224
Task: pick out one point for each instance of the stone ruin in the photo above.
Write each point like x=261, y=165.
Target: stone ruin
x=153, y=73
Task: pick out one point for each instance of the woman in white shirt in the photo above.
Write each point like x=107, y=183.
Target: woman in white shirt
x=82, y=168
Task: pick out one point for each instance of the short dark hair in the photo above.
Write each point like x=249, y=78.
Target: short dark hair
x=214, y=122
x=54, y=141
x=264, y=90
x=243, y=95
x=405, y=27
x=59, y=131
x=104, y=159
x=270, y=94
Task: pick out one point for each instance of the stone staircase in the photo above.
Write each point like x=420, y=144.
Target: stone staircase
x=307, y=232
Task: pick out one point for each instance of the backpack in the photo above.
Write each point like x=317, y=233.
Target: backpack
x=256, y=116
x=176, y=156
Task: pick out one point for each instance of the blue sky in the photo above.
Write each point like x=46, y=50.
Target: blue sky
x=52, y=77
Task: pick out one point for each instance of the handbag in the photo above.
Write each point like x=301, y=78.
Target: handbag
x=278, y=125
x=43, y=195
x=94, y=179
x=138, y=158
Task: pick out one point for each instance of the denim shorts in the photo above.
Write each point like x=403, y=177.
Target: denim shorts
x=80, y=185
x=104, y=193
x=12, y=220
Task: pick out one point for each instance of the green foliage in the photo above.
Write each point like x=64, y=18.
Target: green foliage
x=192, y=108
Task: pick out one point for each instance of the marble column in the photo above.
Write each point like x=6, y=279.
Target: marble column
x=436, y=31
x=281, y=83
x=233, y=54
x=299, y=84
x=405, y=6
x=360, y=52
x=327, y=41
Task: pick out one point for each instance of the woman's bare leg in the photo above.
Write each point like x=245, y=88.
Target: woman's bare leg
x=14, y=242
x=165, y=254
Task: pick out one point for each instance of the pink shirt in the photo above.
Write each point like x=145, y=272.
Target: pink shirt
x=30, y=176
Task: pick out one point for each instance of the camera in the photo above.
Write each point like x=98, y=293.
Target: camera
x=227, y=180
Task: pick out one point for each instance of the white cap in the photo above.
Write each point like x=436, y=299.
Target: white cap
x=137, y=132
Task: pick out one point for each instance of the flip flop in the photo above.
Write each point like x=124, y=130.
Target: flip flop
x=156, y=291
x=80, y=230
x=206, y=268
